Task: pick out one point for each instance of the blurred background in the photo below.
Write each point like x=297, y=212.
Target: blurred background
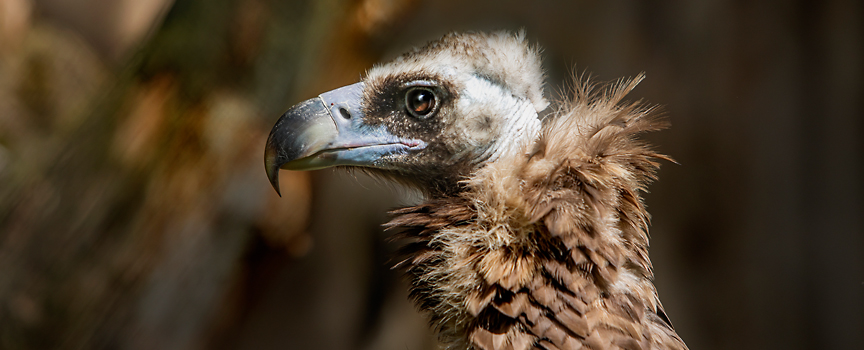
x=135, y=213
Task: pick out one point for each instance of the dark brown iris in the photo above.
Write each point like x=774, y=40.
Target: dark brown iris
x=420, y=101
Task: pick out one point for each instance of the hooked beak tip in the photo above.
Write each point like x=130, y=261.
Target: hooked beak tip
x=271, y=166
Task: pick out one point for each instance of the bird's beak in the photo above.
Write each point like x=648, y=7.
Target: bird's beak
x=329, y=130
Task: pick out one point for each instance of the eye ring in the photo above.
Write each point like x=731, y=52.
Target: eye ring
x=421, y=102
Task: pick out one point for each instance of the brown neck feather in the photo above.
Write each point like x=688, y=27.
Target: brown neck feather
x=547, y=248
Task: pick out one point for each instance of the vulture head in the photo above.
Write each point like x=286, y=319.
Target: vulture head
x=533, y=233
x=428, y=118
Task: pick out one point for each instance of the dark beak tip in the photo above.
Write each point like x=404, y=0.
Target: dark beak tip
x=274, y=180
x=271, y=167
x=275, y=183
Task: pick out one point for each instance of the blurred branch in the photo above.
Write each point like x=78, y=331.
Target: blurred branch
x=133, y=198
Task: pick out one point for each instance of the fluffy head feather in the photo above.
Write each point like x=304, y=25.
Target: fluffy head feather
x=490, y=89
x=502, y=58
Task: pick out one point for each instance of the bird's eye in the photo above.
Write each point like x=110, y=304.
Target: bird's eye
x=420, y=101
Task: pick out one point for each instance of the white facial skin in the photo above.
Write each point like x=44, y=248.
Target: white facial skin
x=494, y=121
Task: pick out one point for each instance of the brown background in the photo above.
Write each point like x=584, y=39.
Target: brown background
x=135, y=214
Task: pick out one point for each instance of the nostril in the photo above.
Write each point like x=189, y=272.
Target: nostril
x=344, y=113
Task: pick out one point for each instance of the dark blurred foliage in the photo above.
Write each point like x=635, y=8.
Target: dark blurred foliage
x=135, y=214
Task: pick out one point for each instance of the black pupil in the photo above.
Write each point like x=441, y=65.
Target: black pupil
x=421, y=101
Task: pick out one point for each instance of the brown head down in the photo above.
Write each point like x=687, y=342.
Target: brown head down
x=533, y=233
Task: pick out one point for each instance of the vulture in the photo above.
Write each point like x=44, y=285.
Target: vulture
x=532, y=232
